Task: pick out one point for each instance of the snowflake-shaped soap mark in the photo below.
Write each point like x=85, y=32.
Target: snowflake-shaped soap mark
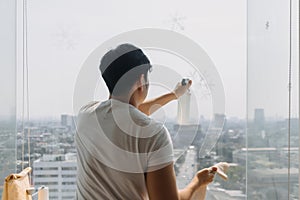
x=200, y=81
x=66, y=37
x=176, y=23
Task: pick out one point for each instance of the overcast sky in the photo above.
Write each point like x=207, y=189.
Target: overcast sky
x=62, y=34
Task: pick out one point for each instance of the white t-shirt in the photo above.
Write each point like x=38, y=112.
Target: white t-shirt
x=116, y=145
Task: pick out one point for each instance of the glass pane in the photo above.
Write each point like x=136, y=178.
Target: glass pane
x=268, y=161
x=7, y=89
x=63, y=35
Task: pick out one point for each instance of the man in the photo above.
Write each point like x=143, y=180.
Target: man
x=123, y=153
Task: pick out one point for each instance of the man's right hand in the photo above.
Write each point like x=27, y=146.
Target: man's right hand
x=181, y=89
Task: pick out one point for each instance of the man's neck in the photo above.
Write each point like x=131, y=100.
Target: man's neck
x=124, y=99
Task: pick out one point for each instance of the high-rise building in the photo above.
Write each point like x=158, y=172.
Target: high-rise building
x=259, y=119
x=67, y=120
x=219, y=121
x=58, y=173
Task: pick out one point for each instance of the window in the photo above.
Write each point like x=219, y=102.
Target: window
x=45, y=176
x=7, y=89
x=58, y=48
x=273, y=115
x=245, y=43
x=69, y=168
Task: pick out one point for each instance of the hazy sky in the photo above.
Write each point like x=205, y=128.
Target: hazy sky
x=62, y=34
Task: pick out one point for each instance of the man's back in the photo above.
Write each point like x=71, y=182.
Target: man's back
x=116, y=146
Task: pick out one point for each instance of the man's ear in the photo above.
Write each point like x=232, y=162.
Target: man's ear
x=141, y=82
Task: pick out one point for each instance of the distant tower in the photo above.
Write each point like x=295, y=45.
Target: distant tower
x=219, y=121
x=64, y=120
x=183, y=110
x=259, y=119
x=67, y=120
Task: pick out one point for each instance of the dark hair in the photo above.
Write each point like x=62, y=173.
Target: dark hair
x=121, y=68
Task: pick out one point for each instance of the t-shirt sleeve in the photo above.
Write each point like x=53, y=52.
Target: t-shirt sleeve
x=161, y=152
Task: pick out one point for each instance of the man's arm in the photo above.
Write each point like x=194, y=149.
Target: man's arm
x=150, y=106
x=153, y=105
x=161, y=184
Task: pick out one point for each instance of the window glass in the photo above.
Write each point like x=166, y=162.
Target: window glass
x=7, y=89
x=63, y=34
x=273, y=129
